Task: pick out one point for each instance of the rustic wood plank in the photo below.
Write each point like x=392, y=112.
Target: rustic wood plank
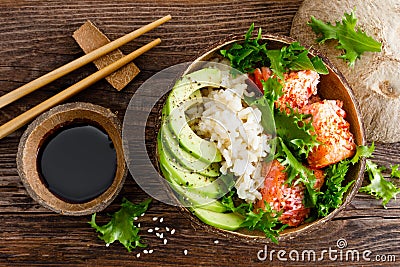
x=75, y=243
x=36, y=38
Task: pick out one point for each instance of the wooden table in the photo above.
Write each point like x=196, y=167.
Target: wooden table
x=36, y=38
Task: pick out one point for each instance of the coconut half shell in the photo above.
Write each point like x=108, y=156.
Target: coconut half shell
x=41, y=128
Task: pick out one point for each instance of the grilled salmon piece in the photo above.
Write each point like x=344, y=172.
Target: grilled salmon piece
x=282, y=197
x=298, y=88
x=333, y=132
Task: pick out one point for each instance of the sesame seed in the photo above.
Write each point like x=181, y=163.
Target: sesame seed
x=162, y=235
x=216, y=242
x=161, y=220
x=151, y=251
x=145, y=251
x=158, y=234
x=135, y=218
x=172, y=231
x=138, y=255
x=142, y=214
x=165, y=241
x=108, y=244
x=138, y=225
x=156, y=228
x=150, y=230
x=185, y=252
x=155, y=219
x=167, y=229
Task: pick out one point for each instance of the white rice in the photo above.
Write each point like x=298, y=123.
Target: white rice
x=238, y=133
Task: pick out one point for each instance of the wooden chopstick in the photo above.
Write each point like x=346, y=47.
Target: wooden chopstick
x=28, y=115
x=77, y=63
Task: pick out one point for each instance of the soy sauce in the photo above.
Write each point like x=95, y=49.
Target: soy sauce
x=77, y=163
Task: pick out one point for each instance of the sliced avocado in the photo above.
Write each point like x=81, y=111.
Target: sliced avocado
x=170, y=142
x=202, y=185
x=179, y=100
x=191, y=199
x=227, y=221
x=187, y=160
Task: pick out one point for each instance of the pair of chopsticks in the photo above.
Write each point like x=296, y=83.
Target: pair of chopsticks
x=28, y=115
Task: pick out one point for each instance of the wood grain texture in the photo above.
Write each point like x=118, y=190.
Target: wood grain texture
x=36, y=38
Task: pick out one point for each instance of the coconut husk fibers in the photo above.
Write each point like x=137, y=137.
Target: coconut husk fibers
x=375, y=78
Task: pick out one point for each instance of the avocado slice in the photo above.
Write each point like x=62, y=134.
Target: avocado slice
x=202, y=185
x=187, y=160
x=227, y=221
x=179, y=100
x=192, y=199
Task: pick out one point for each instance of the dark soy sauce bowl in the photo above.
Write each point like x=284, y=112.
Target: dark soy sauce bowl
x=38, y=134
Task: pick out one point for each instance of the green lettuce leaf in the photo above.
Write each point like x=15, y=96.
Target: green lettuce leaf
x=294, y=57
x=266, y=221
x=298, y=173
x=121, y=226
x=296, y=130
x=379, y=187
x=246, y=56
x=272, y=91
x=395, y=171
x=353, y=42
x=332, y=197
x=251, y=54
x=363, y=152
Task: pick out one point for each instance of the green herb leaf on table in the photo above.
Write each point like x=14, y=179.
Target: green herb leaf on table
x=379, y=187
x=353, y=42
x=395, y=171
x=121, y=226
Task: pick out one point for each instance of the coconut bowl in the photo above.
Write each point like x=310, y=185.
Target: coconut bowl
x=41, y=129
x=331, y=86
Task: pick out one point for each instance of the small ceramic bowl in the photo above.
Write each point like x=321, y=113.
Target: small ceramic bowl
x=37, y=133
x=331, y=86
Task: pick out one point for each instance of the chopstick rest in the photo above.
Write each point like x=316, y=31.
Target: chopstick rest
x=27, y=116
x=89, y=38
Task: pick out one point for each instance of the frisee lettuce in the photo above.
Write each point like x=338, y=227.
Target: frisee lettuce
x=265, y=220
x=294, y=57
x=331, y=195
x=244, y=57
x=249, y=54
x=298, y=173
x=379, y=187
x=353, y=42
x=121, y=226
x=297, y=131
x=395, y=171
